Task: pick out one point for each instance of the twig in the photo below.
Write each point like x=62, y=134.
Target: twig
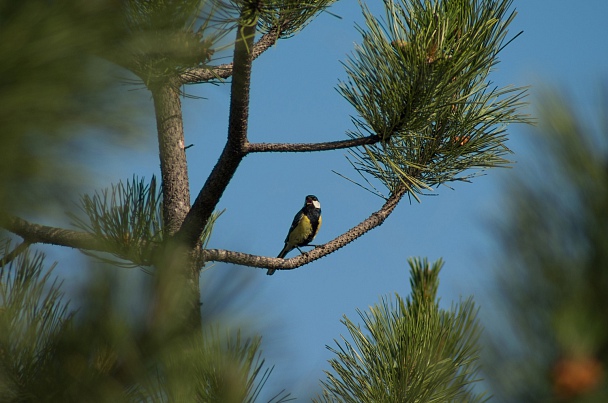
x=19, y=249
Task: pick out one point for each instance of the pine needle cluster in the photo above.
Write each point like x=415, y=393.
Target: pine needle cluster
x=290, y=15
x=419, y=81
x=127, y=218
x=409, y=350
x=49, y=352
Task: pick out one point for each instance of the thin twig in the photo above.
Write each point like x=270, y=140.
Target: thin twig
x=19, y=249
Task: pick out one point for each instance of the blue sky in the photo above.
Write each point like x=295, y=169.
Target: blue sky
x=294, y=100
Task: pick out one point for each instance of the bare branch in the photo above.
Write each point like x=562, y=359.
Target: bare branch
x=374, y=220
x=310, y=147
x=204, y=74
x=36, y=233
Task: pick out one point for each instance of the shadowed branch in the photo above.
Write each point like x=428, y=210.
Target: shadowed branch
x=204, y=74
x=36, y=233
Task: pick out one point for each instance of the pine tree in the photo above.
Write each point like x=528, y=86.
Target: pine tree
x=427, y=115
x=409, y=350
x=553, y=344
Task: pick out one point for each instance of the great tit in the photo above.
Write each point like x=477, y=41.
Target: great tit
x=304, y=227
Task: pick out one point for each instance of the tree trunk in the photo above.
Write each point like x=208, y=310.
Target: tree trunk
x=173, y=165
x=177, y=291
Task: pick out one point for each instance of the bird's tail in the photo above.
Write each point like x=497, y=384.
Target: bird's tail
x=281, y=255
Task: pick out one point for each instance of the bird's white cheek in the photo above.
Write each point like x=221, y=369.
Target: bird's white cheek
x=316, y=204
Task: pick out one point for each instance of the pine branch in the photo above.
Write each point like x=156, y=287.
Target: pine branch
x=419, y=81
x=408, y=349
x=291, y=15
x=277, y=20
x=127, y=217
x=374, y=220
x=310, y=147
x=36, y=233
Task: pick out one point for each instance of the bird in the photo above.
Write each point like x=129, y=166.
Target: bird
x=304, y=227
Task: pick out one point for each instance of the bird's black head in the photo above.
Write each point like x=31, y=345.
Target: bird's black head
x=312, y=200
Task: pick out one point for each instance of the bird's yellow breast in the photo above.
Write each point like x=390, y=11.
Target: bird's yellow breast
x=300, y=232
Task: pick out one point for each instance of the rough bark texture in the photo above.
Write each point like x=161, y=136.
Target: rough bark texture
x=36, y=233
x=173, y=165
x=177, y=293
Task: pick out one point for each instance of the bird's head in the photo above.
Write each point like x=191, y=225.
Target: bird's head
x=312, y=200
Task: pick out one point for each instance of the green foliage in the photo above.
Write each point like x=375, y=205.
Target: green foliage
x=215, y=368
x=32, y=314
x=419, y=81
x=52, y=85
x=101, y=353
x=166, y=37
x=554, y=272
x=409, y=350
x=291, y=15
x=128, y=218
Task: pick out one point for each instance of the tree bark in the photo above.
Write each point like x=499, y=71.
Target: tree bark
x=173, y=165
x=177, y=293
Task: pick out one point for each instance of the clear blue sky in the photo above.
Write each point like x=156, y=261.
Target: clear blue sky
x=294, y=100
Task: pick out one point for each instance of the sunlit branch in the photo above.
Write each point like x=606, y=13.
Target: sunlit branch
x=309, y=147
x=234, y=150
x=374, y=220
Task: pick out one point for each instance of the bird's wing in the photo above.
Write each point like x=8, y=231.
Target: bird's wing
x=294, y=224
